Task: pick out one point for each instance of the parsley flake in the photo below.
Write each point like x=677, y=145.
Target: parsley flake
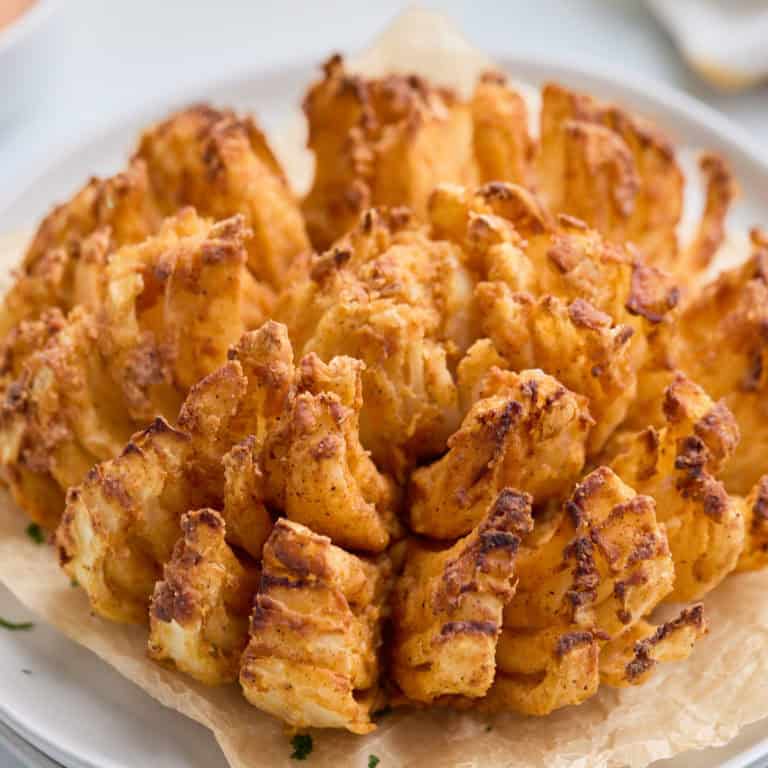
x=373, y=761
x=302, y=746
x=14, y=626
x=35, y=532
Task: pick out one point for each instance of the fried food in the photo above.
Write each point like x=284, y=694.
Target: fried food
x=221, y=164
x=448, y=603
x=380, y=142
x=632, y=657
x=526, y=431
x=312, y=654
x=678, y=465
x=199, y=611
x=392, y=297
x=69, y=249
x=719, y=342
x=583, y=581
x=169, y=311
x=493, y=426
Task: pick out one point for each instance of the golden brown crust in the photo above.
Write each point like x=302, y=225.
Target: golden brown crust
x=380, y=142
x=315, y=632
x=199, y=611
x=448, y=605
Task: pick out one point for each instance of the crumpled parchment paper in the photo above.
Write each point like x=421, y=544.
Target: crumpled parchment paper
x=699, y=703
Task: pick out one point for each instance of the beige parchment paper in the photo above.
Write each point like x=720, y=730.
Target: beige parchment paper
x=700, y=703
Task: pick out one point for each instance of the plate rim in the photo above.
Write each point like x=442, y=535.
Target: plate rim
x=666, y=99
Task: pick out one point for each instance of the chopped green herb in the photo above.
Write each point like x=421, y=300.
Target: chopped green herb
x=302, y=746
x=13, y=626
x=35, y=532
x=383, y=712
x=73, y=583
x=373, y=761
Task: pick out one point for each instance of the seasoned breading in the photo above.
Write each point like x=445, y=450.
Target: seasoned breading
x=221, y=164
x=678, y=465
x=332, y=485
x=576, y=343
x=503, y=148
x=720, y=342
x=199, y=611
x=380, y=142
x=69, y=249
x=602, y=568
x=631, y=658
x=399, y=301
x=448, y=605
x=169, y=311
x=312, y=656
x=754, y=556
x=526, y=431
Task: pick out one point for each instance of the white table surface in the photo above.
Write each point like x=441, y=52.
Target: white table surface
x=117, y=56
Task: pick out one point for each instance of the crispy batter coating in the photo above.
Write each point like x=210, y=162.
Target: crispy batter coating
x=448, y=605
x=631, y=658
x=315, y=632
x=199, y=611
x=585, y=580
x=576, y=343
x=399, y=301
x=678, y=465
x=127, y=512
x=611, y=168
x=509, y=235
x=720, y=342
x=221, y=164
x=332, y=485
x=754, y=556
x=169, y=311
x=120, y=525
x=69, y=249
x=503, y=148
x=380, y=142
x=526, y=431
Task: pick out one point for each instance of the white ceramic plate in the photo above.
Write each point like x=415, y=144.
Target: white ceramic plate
x=73, y=706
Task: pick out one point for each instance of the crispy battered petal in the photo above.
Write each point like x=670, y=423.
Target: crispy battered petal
x=720, y=342
x=754, y=556
x=576, y=343
x=221, y=164
x=121, y=524
x=392, y=297
x=68, y=252
x=315, y=632
x=720, y=193
x=527, y=431
x=172, y=309
x=332, y=485
x=678, y=465
x=631, y=658
x=76, y=389
x=508, y=235
x=627, y=167
x=586, y=579
x=199, y=611
x=543, y=670
x=448, y=605
x=503, y=148
x=380, y=142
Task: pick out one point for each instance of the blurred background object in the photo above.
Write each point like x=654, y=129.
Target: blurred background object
x=26, y=35
x=725, y=41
